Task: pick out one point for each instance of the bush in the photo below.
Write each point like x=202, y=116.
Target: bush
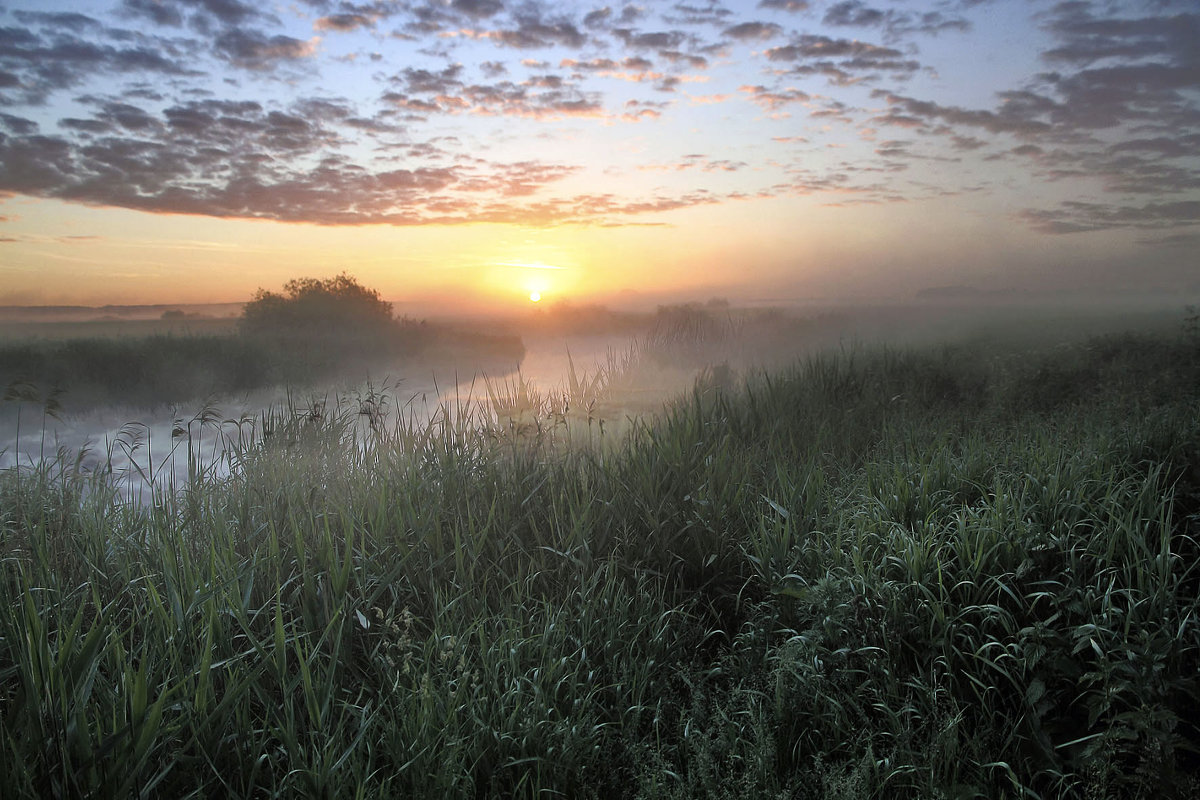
x=322, y=326
x=318, y=306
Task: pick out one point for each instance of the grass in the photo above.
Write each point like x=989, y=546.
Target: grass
x=923, y=573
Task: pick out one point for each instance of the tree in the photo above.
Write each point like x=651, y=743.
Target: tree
x=319, y=307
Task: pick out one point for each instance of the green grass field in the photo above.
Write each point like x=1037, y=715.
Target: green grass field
x=939, y=572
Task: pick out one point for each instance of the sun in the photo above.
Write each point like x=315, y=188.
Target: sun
x=535, y=296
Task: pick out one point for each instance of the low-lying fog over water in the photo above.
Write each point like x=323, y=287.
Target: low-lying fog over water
x=140, y=443
x=606, y=375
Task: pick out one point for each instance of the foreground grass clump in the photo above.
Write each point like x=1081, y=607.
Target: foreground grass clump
x=908, y=574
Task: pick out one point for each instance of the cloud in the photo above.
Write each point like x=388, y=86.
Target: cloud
x=201, y=14
x=157, y=119
x=961, y=142
x=841, y=180
x=1128, y=69
x=711, y=13
x=531, y=32
x=39, y=62
x=814, y=46
x=791, y=6
x=1174, y=240
x=896, y=24
x=343, y=23
x=1078, y=217
x=894, y=148
x=493, y=69
x=85, y=125
x=76, y=23
x=257, y=51
x=545, y=96
x=635, y=69
x=676, y=57
x=520, y=179
x=477, y=9
x=34, y=164
x=227, y=158
x=114, y=115
x=656, y=40
x=853, y=13
x=598, y=18
x=1182, y=146
x=1149, y=167
x=18, y=125
x=753, y=31
x=904, y=111
x=842, y=61
x=642, y=110
x=213, y=169
x=160, y=13
x=507, y=99
x=697, y=161
x=423, y=80
x=1117, y=115
x=1087, y=39
x=774, y=100
x=433, y=17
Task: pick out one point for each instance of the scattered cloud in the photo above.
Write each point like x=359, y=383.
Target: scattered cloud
x=1078, y=217
x=910, y=112
x=540, y=97
x=696, y=161
x=774, y=100
x=753, y=31
x=39, y=60
x=344, y=23
x=843, y=62
x=199, y=14
x=209, y=107
x=257, y=51
x=531, y=33
x=895, y=24
x=791, y=6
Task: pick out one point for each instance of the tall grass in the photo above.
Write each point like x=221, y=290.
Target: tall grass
x=915, y=574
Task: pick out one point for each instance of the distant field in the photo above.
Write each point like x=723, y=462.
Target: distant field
x=114, y=328
x=146, y=363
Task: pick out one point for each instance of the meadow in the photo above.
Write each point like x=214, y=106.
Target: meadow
x=932, y=571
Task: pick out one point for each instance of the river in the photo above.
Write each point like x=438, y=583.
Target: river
x=162, y=447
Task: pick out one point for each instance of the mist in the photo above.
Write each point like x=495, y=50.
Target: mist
x=122, y=383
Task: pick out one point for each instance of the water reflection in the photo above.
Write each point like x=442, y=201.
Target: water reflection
x=169, y=448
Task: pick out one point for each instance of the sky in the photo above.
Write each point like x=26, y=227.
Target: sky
x=473, y=152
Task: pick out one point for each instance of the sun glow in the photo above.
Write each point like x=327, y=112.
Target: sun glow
x=540, y=275
x=536, y=285
x=527, y=265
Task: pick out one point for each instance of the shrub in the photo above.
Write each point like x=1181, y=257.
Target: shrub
x=318, y=306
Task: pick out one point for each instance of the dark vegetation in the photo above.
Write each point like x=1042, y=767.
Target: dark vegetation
x=316, y=331
x=877, y=573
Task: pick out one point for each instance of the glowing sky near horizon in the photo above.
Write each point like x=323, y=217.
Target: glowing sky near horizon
x=195, y=150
